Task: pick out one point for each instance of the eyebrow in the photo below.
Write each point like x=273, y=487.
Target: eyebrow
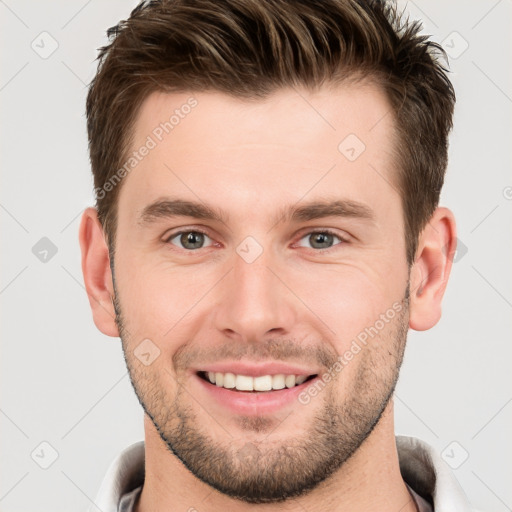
x=321, y=209
x=168, y=208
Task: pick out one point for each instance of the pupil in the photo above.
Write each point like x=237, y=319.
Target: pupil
x=192, y=240
x=321, y=238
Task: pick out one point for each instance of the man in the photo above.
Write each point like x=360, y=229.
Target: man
x=267, y=229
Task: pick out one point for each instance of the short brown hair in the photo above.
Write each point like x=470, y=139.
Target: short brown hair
x=250, y=48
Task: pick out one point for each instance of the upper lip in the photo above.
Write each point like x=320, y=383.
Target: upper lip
x=257, y=369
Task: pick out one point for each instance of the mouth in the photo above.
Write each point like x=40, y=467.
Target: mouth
x=255, y=385
x=252, y=395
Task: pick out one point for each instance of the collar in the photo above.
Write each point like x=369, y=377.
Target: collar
x=420, y=465
x=428, y=475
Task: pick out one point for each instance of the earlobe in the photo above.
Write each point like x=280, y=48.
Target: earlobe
x=431, y=269
x=97, y=273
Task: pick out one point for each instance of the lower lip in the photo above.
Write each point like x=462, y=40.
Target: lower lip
x=255, y=403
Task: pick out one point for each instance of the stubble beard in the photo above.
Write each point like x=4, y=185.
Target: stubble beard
x=252, y=467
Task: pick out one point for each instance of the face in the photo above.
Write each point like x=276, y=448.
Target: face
x=259, y=240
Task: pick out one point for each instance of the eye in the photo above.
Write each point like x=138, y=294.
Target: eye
x=321, y=239
x=189, y=240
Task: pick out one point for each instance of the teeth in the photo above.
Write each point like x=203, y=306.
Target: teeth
x=229, y=380
x=261, y=383
x=278, y=381
x=244, y=383
x=300, y=379
x=289, y=381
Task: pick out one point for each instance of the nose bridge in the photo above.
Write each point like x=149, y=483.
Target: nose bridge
x=254, y=301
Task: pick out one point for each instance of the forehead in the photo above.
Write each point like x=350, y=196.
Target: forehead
x=290, y=116
x=243, y=153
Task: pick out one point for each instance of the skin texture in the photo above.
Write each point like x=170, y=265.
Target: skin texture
x=294, y=303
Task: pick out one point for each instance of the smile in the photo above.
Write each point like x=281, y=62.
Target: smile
x=261, y=383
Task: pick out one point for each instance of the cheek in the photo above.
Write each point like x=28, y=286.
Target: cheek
x=157, y=299
x=352, y=301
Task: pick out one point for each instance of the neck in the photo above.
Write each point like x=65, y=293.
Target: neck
x=369, y=481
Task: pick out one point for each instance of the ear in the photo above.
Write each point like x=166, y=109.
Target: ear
x=97, y=273
x=429, y=274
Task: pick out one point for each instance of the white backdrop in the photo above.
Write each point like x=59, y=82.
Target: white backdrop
x=67, y=406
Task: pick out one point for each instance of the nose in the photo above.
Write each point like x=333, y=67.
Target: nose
x=254, y=302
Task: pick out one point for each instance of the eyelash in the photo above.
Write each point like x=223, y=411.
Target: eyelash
x=308, y=233
x=326, y=231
